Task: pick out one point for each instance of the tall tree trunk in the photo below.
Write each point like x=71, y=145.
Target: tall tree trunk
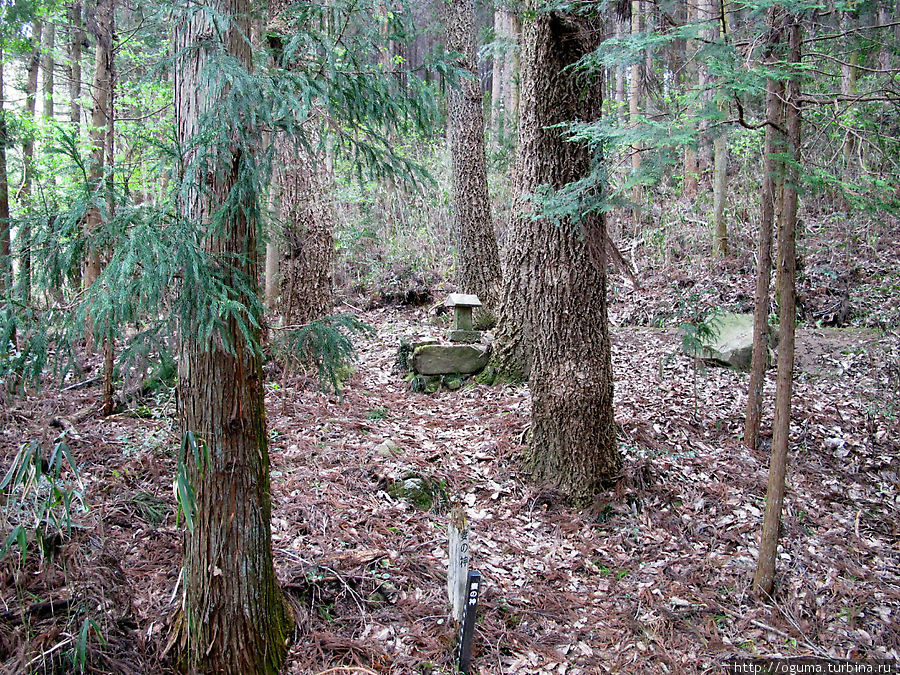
x=559, y=270
x=497, y=75
x=510, y=69
x=720, y=149
x=705, y=17
x=691, y=168
x=634, y=103
x=76, y=37
x=884, y=53
x=620, y=75
x=720, y=183
x=849, y=73
x=235, y=620
x=5, y=240
x=307, y=264
x=103, y=26
x=31, y=86
x=273, y=253
x=478, y=268
x=764, y=578
x=773, y=144
x=48, y=67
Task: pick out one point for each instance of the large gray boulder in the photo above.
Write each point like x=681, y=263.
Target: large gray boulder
x=733, y=344
x=447, y=359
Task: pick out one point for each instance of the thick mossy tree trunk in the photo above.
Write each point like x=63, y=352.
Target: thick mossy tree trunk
x=764, y=578
x=235, y=620
x=307, y=215
x=478, y=268
x=556, y=272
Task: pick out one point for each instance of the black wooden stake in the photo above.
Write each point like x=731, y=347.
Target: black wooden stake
x=467, y=632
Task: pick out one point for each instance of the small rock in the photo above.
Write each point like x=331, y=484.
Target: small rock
x=387, y=449
x=452, y=383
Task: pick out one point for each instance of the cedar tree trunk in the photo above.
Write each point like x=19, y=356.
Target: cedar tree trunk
x=555, y=293
x=307, y=264
x=235, y=620
x=476, y=244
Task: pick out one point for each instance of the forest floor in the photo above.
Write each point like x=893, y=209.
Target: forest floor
x=652, y=578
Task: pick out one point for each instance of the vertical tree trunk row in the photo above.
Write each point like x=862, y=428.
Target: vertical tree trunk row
x=764, y=578
x=478, y=268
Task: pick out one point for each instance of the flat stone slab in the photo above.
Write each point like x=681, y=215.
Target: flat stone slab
x=448, y=359
x=462, y=300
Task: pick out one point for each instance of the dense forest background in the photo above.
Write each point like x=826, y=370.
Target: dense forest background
x=226, y=226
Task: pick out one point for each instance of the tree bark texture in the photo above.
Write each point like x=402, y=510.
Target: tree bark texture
x=76, y=37
x=478, y=260
x=764, y=578
x=773, y=145
x=307, y=212
x=555, y=290
x=235, y=620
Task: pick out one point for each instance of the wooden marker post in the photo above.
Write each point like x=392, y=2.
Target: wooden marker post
x=457, y=574
x=467, y=632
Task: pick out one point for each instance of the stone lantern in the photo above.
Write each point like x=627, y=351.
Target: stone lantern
x=462, y=329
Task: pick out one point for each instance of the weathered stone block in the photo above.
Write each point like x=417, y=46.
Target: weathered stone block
x=465, y=336
x=733, y=346
x=447, y=359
